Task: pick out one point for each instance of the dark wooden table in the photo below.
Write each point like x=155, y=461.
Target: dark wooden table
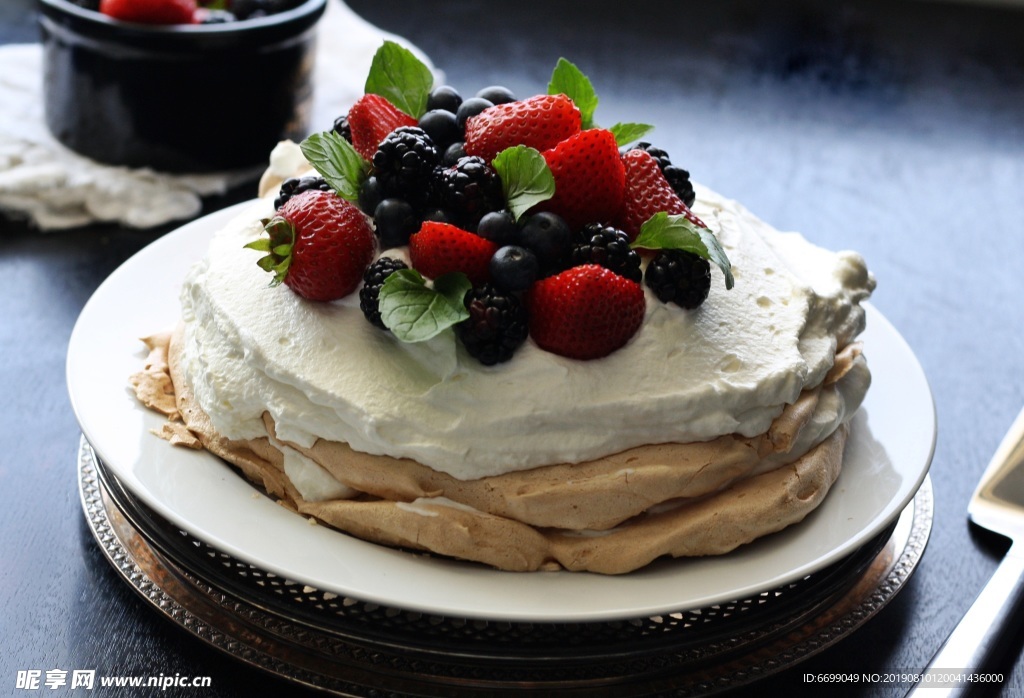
x=894, y=128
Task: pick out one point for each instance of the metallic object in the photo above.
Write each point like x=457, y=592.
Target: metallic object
x=350, y=647
x=998, y=505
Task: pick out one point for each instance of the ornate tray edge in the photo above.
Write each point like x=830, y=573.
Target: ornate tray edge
x=233, y=628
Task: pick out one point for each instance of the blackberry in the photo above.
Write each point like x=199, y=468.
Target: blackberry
x=678, y=178
x=609, y=247
x=293, y=186
x=403, y=165
x=373, y=279
x=679, y=277
x=496, y=325
x=468, y=190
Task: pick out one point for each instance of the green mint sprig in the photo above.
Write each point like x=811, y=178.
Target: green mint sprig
x=415, y=312
x=569, y=80
x=337, y=162
x=626, y=133
x=525, y=177
x=397, y=75
x=663, y=231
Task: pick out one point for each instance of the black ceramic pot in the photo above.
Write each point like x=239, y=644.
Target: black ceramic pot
x=188, y=98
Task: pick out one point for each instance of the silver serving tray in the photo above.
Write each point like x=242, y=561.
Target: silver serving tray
x=350, y=647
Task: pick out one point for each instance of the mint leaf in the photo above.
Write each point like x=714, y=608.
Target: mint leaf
x=454, y=286
x=525, y=176
x=397, y=75
x=569, y=80
x=415, y=312
x=626, y=133
x=676, y=232
x=337, y=162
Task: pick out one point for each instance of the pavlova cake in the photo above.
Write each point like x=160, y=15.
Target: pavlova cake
x=489, y=329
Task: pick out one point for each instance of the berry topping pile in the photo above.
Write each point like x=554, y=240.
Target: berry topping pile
x=187, y=11
x=521, y=219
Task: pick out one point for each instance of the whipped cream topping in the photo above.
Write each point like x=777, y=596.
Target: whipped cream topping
x=323, y=371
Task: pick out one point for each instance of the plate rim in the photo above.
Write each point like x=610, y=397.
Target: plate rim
x=512, y=612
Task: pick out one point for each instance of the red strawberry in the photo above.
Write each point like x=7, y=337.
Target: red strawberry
x=647, y=193
x=439, y=248
x=540, y=122
x=584, y=312
x=151, y=11
x=589, y=178
x=319, y=246
x=371, y=119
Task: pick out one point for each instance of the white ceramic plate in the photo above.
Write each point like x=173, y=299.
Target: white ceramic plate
x=887, y=459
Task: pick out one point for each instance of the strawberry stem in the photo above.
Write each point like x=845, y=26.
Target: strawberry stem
x=278, y=247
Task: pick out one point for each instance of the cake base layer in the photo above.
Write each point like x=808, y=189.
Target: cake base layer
x=611, y=515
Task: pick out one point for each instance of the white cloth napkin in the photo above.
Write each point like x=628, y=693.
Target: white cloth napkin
x=57, y=189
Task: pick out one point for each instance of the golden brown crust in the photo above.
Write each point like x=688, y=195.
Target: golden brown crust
x=439, y=528
x=748, y=510
x=611, y=515
x=153, y=387
x=595, y=495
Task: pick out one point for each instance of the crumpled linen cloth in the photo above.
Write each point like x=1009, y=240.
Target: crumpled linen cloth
x=55, y=188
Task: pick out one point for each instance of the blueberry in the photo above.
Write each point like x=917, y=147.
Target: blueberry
x=370, y=194
x=514, y=268
x=455, y=152
x=444, y=97
x=395, y=220
x=437, y=215
x=441, y=126
x=342, y=127
x=498, y=227
x=550, y=238
x=470, y=108
x=496, y=94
